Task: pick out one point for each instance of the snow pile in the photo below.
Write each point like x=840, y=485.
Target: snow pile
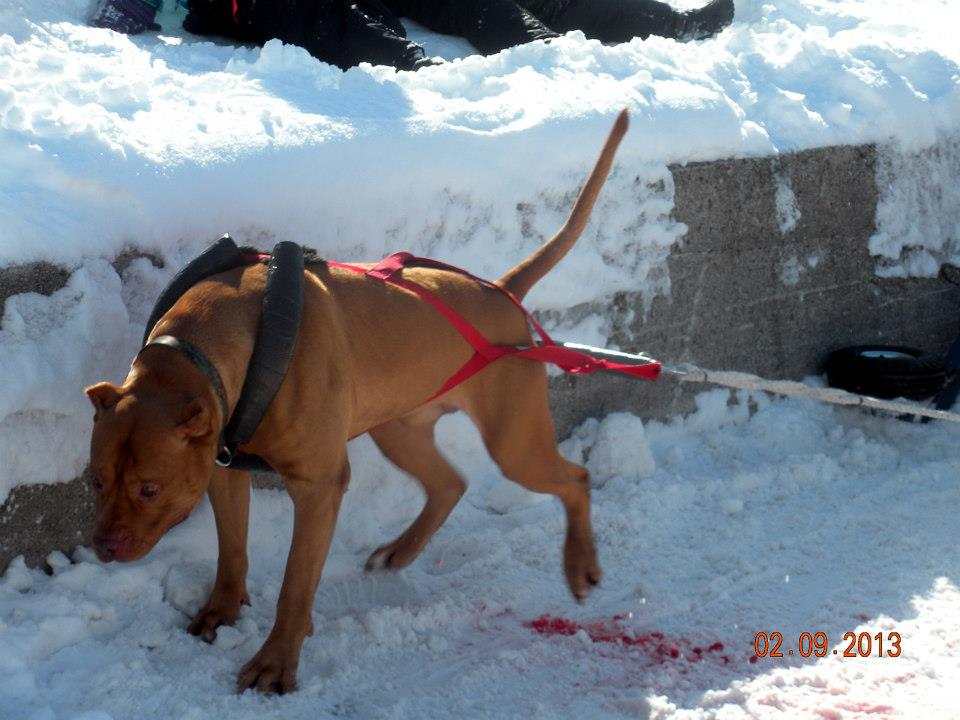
x=749, y=515
x=918, y=215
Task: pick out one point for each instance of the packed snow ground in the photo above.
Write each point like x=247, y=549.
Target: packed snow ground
x=747, y=516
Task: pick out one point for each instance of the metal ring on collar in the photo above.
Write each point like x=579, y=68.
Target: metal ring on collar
x=224, y=457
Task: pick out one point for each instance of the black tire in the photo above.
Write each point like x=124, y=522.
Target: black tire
x=886, y=371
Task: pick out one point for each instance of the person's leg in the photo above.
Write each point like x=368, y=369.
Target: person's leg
x=489, y=25
x=334, y=31
x=130, y=17
x=367, y=39
x=379, y=11
x=622, y=20
x=253, y=21
x=216, y=17
x=708, y=20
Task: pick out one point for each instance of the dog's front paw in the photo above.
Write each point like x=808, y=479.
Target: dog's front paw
x=272, y=670
x=218, y=611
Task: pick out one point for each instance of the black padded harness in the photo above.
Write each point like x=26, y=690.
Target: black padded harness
x=273, y=349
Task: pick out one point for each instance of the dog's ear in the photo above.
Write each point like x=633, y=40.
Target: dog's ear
x=195, y=420
x=103, y=396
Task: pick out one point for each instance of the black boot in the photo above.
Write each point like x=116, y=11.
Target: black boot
x=706, y=21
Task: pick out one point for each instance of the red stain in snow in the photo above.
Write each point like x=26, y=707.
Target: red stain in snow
x=655, y=644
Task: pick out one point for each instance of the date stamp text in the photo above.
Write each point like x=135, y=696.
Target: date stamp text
x=771, y=645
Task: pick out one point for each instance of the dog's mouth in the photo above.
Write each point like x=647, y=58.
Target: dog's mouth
x=126, y=551
x=108, y=547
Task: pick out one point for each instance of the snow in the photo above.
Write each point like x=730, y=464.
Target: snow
x=749, y=515
x=916, y=242
x=788, y=212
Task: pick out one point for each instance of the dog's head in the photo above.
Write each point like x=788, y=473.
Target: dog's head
x=151, y=456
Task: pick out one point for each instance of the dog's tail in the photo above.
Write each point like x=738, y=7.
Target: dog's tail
x=525, y=275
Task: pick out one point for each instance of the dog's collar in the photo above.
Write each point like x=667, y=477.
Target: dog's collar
x=202, y=363
x=273, y=349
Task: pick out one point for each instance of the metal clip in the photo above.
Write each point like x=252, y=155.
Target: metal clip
x=224, y=457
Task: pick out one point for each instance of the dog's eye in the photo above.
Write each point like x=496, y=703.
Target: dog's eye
x=97, y=483
x=149, y=490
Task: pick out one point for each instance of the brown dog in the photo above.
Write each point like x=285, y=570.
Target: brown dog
x=369, y=354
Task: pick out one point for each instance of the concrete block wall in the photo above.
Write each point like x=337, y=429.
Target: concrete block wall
x=730, y=307
x=751, y=290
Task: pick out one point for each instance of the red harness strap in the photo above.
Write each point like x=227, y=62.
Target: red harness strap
x=571, y=361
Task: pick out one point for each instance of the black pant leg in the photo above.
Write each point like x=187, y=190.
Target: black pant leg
x=379, y=11
x=343, y=35
x=367, y=39
x=216, y=17
x=489, y=25
x=617, y=21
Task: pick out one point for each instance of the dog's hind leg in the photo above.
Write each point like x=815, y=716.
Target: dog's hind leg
x=229, y=493
x=409, y=444
x=508, y=403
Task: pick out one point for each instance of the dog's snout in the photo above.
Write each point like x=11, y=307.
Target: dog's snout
x=109, y=543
